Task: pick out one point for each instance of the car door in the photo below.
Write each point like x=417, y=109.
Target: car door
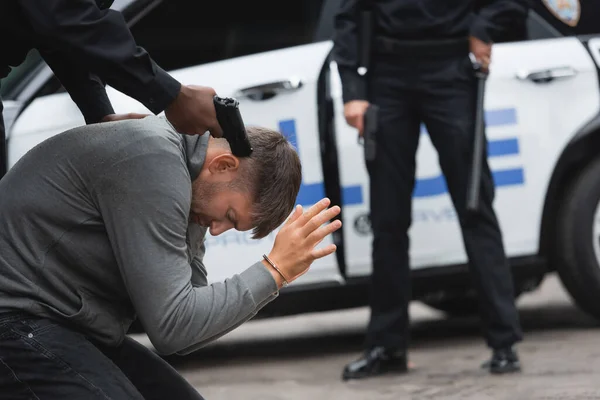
x=539, y=93
x=278, y=91
x=270, y=66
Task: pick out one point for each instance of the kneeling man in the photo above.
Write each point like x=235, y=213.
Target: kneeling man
x=105, y=223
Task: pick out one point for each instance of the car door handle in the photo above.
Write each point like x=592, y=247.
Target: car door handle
x=547, y=75
x=269, y=90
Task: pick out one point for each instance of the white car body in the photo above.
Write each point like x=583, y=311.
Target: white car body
x=530, y=126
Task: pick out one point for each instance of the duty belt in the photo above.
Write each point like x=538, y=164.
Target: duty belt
x=435, y=48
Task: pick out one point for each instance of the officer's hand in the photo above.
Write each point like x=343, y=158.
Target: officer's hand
x=193, y=111
x=121, y=117
x=354, y=112
x=294, y=248
x=482, y=52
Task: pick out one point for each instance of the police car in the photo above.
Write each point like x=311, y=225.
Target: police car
x=543, y=115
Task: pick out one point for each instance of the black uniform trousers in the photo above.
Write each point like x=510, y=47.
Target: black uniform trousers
x=441, y=92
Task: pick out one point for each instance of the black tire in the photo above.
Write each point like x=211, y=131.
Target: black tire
x=577, y=265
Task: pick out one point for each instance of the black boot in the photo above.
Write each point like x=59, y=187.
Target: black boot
x=503, y=361
x=375, y=361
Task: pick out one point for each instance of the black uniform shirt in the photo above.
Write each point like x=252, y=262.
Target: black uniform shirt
x=86, y=47
x=488, y=20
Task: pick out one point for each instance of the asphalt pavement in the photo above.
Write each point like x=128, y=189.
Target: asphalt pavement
x=301, y=357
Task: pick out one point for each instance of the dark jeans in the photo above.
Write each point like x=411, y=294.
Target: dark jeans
x=40, y=359
x=441, y=93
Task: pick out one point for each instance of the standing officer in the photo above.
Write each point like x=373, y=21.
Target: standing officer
x=87, y=46
x=420, y=72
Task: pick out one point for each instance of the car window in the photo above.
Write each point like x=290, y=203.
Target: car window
x=183, y=33
x=539, y=28
x=325, y=25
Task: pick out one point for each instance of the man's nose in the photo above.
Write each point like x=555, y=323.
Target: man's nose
x=217, y=228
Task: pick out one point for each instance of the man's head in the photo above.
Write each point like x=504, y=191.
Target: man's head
x=257, y=192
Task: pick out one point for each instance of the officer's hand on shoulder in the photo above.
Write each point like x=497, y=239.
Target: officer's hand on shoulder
x=294, y=248
x=354, y=112
x=193, y=111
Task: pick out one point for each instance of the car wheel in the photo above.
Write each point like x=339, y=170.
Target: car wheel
x=578, y=239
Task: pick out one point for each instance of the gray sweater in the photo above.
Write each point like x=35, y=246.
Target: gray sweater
x=95, y=230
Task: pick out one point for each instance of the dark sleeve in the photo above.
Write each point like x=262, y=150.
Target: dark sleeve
x=101, y=41
x=345, y=50
x=498, y=17
x=86, y=89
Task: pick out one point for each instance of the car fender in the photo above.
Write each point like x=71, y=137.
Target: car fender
x=578, y=152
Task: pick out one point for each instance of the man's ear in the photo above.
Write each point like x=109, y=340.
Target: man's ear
x=224, y=163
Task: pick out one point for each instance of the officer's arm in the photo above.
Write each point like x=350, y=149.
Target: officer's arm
x=85, y=88
x=498, y=17
x=345, y=50
x=101, y=41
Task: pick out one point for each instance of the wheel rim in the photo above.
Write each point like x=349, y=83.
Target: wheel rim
x=596, y=234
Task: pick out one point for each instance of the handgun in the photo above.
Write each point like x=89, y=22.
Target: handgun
x=369, y=131
x=232, y=124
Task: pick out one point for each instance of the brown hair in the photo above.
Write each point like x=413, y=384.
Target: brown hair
x=272, y=174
